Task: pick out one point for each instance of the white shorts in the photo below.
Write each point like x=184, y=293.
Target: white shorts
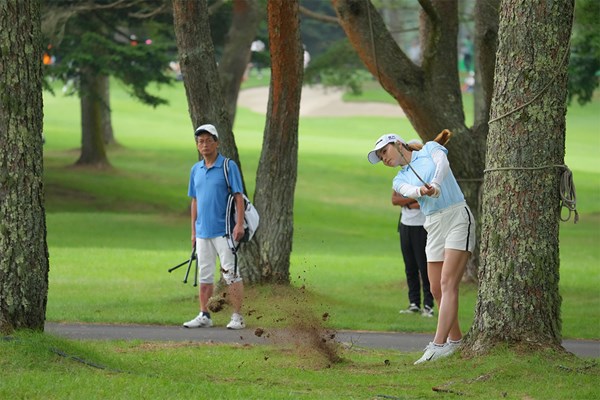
x=207, y=251
x=450, y=228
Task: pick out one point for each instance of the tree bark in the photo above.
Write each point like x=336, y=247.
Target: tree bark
x=236, y=54
x=107, y=129
x=429, y=94
x=518, y=300
x=267, y=259
x=23, y=248
x=93, y=151
x=200, y=76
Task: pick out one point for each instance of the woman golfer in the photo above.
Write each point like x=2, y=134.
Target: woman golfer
x=426, y=177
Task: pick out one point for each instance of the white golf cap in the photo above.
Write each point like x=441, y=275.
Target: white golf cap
x=380, y=144
x=208, y=128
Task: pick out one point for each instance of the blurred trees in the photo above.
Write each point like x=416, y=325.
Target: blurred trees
x=23, y=248
x=94, y=40
x=246, y=16
x=584, y=65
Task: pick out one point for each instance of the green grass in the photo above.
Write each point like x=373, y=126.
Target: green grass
x=36, y=366
x=112, y=235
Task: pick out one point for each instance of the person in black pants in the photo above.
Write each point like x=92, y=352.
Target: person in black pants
x=413, y=238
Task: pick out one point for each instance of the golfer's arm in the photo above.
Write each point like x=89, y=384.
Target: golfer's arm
x=239, y=205
x=442, y=167
x=194, y=215
x=406, y=190
x=399, y=200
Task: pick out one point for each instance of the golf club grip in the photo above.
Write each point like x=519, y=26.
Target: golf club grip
x=192, y=257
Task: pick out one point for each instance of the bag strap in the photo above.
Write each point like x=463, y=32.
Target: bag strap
x=230, y=205
x=226, y=172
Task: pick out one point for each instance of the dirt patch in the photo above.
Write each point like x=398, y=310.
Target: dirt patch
x=217, y=303
x=293, y=325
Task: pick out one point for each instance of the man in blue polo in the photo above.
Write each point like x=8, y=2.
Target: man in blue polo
x=208, y=190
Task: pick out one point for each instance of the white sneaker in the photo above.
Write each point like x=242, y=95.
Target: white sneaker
x=433, y=352
x=427, y=312
x=237, y=322
x=454, y=345
x=201, y=321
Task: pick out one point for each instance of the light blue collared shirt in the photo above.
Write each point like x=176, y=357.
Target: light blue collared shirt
x=450, y=192
x=209, y=188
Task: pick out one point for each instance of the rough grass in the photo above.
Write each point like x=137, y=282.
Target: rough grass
x=41, y=366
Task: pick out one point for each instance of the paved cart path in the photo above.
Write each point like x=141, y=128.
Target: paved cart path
x=368, y=339
x=317, y=101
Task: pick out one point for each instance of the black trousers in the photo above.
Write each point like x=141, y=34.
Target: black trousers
x=412, y=244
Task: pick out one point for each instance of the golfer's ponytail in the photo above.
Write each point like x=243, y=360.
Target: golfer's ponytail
x=443, y=137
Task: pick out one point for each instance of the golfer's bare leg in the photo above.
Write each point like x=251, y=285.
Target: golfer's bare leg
x=434, y=273
x=452, y=272
x=206, y=292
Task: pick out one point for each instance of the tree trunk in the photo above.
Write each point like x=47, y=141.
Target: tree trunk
x=236, y=54
x=267, y=259
x=107, y=129
x=93, y=151
x=200, y=76
x=486, y=42
x=518, y=300
x=23, y=248
x=429, y=94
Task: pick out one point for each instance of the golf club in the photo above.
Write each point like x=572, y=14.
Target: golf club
x=415, y=172
x=192, y=257
x=189, y=263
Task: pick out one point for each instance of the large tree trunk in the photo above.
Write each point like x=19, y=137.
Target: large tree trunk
x=23, y=249
x=519, y=301
x=200, y=76
x=236, y=54
x=93, y=151
x=429, y=94
x=268, y=258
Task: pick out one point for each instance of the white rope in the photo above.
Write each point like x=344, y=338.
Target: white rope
x=568, y=198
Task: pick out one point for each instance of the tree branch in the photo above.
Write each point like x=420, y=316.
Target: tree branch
x=318, y=16
x=430, y=10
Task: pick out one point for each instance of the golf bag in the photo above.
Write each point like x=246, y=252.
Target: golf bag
x=251, y=217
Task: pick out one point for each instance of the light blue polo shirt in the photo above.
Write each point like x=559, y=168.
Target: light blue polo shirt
x=423, y=163
x=209, y=188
